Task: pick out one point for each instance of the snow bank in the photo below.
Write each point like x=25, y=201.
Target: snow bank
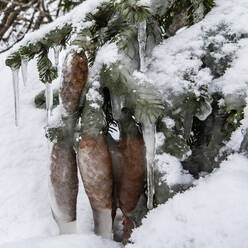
x=211, y=215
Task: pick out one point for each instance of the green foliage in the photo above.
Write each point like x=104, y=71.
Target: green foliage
x=132, y=11
x=208, y=5
x=189, y=6
x=14, y=60
x=67, y=5
x=55, y=134
x=148, y=105
x=47, y=72
x=115, y=79
x=40, y=100
x=58, y=36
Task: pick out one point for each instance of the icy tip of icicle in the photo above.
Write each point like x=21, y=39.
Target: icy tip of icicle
x=149, y=132
x=15, y=80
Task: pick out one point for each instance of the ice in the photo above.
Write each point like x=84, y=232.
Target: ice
x=49, y=101
x=15, y=78
x=56, y=50
x=149, y=131
x=24, y=68
x=142, y=44
x=117, y=103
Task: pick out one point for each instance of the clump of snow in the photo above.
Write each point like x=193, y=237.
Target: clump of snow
x=170, y=123
x=160, y=139
x=212, y=214
x=172, y=170
x=107, y=54
x=93, y=95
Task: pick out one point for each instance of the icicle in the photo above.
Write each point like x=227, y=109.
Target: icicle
x=149, y=131
x=117, y=103
x=142, y=44
x=56, y=55
x=24, y=68
x=15, y=78
x=49, y=101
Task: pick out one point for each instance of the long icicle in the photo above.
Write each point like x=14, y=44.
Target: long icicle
x=49, y=101
x=24, y=68
x=149, y=130
x=56, y=50
x=15, y=79
x=142, y=44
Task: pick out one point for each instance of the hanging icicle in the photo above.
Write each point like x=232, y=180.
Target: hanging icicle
x=117, y=103
x=56, y=50
x=15, y=78
x=49, y=101
x=142, y=44
x=149, y=131
x=24, y=68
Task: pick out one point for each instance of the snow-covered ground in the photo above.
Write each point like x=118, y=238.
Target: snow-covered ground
x=213, y=214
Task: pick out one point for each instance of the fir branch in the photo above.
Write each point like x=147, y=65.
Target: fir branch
x=14, y=61
x=47, y=72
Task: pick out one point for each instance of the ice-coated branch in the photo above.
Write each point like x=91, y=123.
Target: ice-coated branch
x=149, y=131
x=15, y=79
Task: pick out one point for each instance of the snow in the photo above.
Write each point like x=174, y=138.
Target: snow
x=182, y=53
x=212, y=214
x=107, y=55
x=172, y=170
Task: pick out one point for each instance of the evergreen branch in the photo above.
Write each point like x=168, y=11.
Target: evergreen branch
x=14, y=61
x=148, y=105
x=47, y=72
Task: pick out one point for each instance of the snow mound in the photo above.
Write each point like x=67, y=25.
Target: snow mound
x=211, y=215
